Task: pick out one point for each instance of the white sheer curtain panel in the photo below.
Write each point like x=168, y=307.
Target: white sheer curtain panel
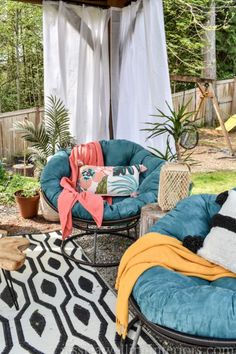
x=76, y=66
x=143, y=81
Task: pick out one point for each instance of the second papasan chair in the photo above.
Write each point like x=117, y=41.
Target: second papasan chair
x=190, y=310
x=124, y=212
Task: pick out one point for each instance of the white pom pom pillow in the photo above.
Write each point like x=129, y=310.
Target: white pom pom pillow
x=219, y=245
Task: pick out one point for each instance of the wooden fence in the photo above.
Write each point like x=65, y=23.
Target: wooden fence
x=11, y=143
x=226, y=94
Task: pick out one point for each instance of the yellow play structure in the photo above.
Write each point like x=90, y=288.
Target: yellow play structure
x=230, y=124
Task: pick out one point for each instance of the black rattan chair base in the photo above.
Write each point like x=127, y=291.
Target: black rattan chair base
x=119, y=228
x=175, y=336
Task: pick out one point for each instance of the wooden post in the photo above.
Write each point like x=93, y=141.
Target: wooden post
x=202, y=98
x=218, y=114
x=209, y=56
x=111, y=132
x=37, y=116
x=24, y=158
x=233, y=107
x=208, y=92
x=25, y=148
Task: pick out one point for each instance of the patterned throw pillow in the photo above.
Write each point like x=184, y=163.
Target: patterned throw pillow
x=219, y=245
x=110, y=181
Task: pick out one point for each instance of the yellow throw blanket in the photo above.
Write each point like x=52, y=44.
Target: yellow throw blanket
x=151, y=250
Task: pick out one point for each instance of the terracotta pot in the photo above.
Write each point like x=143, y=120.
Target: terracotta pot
x=28, y=207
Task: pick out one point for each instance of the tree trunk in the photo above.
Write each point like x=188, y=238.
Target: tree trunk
x=209, y=57
x=17, y=58
x=178, y=152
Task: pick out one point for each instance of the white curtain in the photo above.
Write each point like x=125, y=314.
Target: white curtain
x=143, y=81
x=76, y=66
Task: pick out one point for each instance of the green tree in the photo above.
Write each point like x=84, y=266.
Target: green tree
x=21, y=56
x=21, y=48
x=184, y=35
x=226, y=47
x=186, y=26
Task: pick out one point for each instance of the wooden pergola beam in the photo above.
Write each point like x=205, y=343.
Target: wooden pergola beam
x=118, y=3
x=97, y=3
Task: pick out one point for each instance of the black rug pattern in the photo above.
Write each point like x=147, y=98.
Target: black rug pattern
x=64, y=307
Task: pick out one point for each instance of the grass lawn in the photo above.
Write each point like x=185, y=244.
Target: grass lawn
x=213, y=182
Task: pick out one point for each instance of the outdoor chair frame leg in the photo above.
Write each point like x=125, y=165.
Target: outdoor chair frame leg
x=8, y=278
x=95, y=247
x=120, y=228
x=123, y=347
x=136, y=338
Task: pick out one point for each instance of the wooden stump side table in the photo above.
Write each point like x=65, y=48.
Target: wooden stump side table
x=150, y=214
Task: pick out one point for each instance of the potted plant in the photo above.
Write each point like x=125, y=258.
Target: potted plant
x=27, y=200
x=51, y=135
x=46, y=138
x=178, y=125
x=175, y=181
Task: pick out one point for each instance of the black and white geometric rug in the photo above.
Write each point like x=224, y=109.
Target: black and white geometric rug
x=64, y=307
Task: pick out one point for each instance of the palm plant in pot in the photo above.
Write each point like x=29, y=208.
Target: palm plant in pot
x=174, y=182
x=51, y=135
x=45, y=139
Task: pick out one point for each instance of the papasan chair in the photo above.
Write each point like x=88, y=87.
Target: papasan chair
x=118, y=218
x=187, y=310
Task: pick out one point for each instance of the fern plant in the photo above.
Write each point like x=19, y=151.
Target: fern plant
x=50, y=135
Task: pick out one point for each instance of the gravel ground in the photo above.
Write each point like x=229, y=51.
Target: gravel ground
x=212, y=153
x=108, y=252
x=14, y=224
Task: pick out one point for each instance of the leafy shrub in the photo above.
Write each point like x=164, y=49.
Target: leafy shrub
x=3, y=173
x=31, y=189
x=14, y=183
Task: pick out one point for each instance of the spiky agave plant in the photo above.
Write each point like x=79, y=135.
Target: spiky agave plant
x=50, y=135
x=178, y=125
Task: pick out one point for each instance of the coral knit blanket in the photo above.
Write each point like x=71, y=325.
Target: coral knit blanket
x=151, y=250
x=84, y=154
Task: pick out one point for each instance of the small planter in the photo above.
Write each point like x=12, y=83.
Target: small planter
x=28, y=206
x=24, y=170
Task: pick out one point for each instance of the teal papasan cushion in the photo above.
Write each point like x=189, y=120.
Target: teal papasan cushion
x=115, y=153
x=188, y=304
